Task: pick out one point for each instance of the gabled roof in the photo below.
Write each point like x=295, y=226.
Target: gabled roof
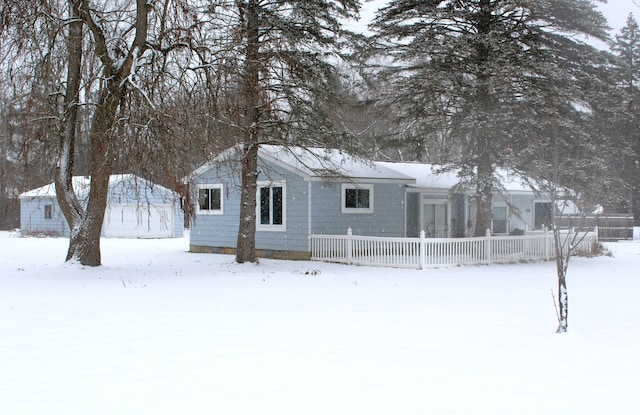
x=81, y=186
x=325, y=162
x=316, y=162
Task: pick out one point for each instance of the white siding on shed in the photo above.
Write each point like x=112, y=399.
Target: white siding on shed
x=143, y=221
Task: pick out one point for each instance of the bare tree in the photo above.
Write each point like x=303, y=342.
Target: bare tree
x=569, y=165
x=119, y=49
x=95, y=76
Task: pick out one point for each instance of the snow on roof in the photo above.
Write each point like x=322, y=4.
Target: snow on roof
x=427, y=176
x=424, y=174
x=318, y=162
x=326, y=162
x=81, y=186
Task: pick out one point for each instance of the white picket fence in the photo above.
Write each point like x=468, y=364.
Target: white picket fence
x=422, y=252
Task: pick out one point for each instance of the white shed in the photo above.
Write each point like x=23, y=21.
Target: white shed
x=136, y=208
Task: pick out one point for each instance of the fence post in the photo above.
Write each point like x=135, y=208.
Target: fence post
x=487, y=246
x=349, y=246
x=423, y=250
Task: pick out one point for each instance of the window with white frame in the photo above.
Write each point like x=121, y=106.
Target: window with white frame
x=210, y=201
x=357, y=198
x=271, y=206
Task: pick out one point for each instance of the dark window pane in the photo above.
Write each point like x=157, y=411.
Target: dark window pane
x=264, y=206
x=203, y=199
x=215, y=199
x=363, y=198
x=356, y=198
x=351, y=198
x=277, y=205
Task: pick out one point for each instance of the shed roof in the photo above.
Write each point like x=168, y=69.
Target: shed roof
x=81, y=186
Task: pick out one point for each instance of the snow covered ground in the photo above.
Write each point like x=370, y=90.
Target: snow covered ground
x=158, y=330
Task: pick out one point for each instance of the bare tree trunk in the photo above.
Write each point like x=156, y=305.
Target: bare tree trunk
x=85, y=243
x=563, y=253
x=67, y=199
x=246, y=245
x=4, y=131
x=86, y=223
x=563, y=303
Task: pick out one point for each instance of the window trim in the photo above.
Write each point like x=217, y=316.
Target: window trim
x=210, y=211
x=356, y=186
x=270, y=227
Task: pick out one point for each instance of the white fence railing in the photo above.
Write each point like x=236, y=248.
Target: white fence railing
x=425, y=252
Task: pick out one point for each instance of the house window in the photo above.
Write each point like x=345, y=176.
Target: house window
x=48, y=211
x=357, y=198
x=542, y=214
x=500, y=222
x=210, y=199
x=435, y=221
x=271, y=206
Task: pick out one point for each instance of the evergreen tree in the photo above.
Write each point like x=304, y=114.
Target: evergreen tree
x=280, y=60
x=626, y=47
x=475, y=76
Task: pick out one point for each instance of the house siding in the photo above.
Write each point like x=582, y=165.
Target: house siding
x=314, y=206
x=221, y=231
x=524, y=215
x=218, y=233
x=32, y=217
x=387, y=219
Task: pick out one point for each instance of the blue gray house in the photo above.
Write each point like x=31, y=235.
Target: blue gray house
x=136, y=208
x=437, y=204
x=325, y=191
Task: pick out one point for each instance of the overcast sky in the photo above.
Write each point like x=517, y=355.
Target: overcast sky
x=616, y=11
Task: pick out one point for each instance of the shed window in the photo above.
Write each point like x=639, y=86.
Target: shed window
x=210, y=199
x=271, y=206
x=357, y=198
x=48, y=211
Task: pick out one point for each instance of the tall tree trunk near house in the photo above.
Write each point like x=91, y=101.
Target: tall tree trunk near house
x=71, y=207
x=86, y=221
x=482, y=144
x=484, y=192
x=246, y=245
x=84, y=243
x=246, y=248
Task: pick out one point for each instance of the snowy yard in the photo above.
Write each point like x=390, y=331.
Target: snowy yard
x=158, y=330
